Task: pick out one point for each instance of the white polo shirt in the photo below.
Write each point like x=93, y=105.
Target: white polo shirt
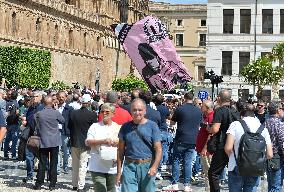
x=236, y=130
x=99, y=131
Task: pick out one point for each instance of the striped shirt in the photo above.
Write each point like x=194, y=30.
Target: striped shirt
x=276, y=130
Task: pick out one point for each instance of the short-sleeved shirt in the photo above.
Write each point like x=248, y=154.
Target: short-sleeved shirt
x=99, y=131
x=11, y=103
x=165, y=112
x=236, y=130
x=135, y=147
x=188, y=118
x=2, y=120
x=261, y=117
x=222, y=115
x=153, y=115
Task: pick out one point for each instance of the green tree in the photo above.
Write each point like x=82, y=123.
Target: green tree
x=59, y=85
x=128, y=83
x=25, y=67
x=277, y=54
x=261, y=72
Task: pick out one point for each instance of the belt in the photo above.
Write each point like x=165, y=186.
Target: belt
x=137, y=161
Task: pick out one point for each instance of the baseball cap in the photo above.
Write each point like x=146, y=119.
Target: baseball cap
x=86, y=98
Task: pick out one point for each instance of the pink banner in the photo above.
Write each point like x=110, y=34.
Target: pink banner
x=153, y=53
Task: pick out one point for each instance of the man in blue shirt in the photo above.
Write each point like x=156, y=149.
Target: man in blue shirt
x=166, y=136
x=140, y=144
x=188, y=118
x=3, y=129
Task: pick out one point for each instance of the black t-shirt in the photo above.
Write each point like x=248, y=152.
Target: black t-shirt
x=224, y=115
x=261, y=117
x=188, y=118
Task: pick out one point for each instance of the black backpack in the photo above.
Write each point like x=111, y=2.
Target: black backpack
x=251, y=160
x=13, y=118
x=218, y=140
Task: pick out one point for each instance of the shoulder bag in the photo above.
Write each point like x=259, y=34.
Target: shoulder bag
x=33, y=143
x=274, y=164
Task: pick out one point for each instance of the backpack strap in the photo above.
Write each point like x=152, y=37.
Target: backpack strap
x=260, y=129
x=244, y=125
x=246, y=130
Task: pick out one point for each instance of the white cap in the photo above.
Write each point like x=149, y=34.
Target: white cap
x=86, y=98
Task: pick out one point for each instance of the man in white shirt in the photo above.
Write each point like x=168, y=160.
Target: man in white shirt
x=75, y=104
x=236, y=182
x=102, y=137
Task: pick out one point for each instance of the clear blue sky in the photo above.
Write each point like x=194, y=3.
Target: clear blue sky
x=182, y=1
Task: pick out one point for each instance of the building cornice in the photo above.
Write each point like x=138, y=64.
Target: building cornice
x=43, y=47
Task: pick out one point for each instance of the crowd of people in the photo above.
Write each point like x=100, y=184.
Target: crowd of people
x=125, y=140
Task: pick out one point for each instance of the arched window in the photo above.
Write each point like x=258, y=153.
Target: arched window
x=56, y=35
x=38, y=29
x=14, y=23
x=38, y=25
x=85, y=41
x=71, y=39
x=98, y=44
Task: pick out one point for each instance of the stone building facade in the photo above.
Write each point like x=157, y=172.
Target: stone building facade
x=76, y=32
x=186, y=25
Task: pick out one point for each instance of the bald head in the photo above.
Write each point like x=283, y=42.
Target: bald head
x=138, y=101
x=225, y=96
x=48, y=101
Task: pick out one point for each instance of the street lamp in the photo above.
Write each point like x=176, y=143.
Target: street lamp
x=214, y=79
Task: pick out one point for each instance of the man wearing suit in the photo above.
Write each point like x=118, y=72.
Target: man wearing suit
x=65, y=110
x=50, y=140
x=80, y=122
x=36, y=106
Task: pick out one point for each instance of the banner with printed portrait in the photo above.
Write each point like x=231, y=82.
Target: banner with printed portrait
x=153, y=53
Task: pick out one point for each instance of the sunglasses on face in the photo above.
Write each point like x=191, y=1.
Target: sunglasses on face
x=104, y=111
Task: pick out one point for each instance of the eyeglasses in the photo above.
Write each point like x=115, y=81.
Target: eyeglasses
x=103, y=111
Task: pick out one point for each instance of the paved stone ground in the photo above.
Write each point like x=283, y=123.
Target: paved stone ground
x=11, y=180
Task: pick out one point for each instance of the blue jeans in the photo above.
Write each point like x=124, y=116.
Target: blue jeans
x=30, y=163
x=239, y=183
x=274, y=180
x=223, y=175
x=188, y=154
x=66, y=151
x=135, y=178
x=282, y=174
x=12, y=135
x=196, y=165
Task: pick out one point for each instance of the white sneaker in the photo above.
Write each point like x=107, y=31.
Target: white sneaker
x=171, y=187
x=159, y=176
x=164, y=167
x=187, y=189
